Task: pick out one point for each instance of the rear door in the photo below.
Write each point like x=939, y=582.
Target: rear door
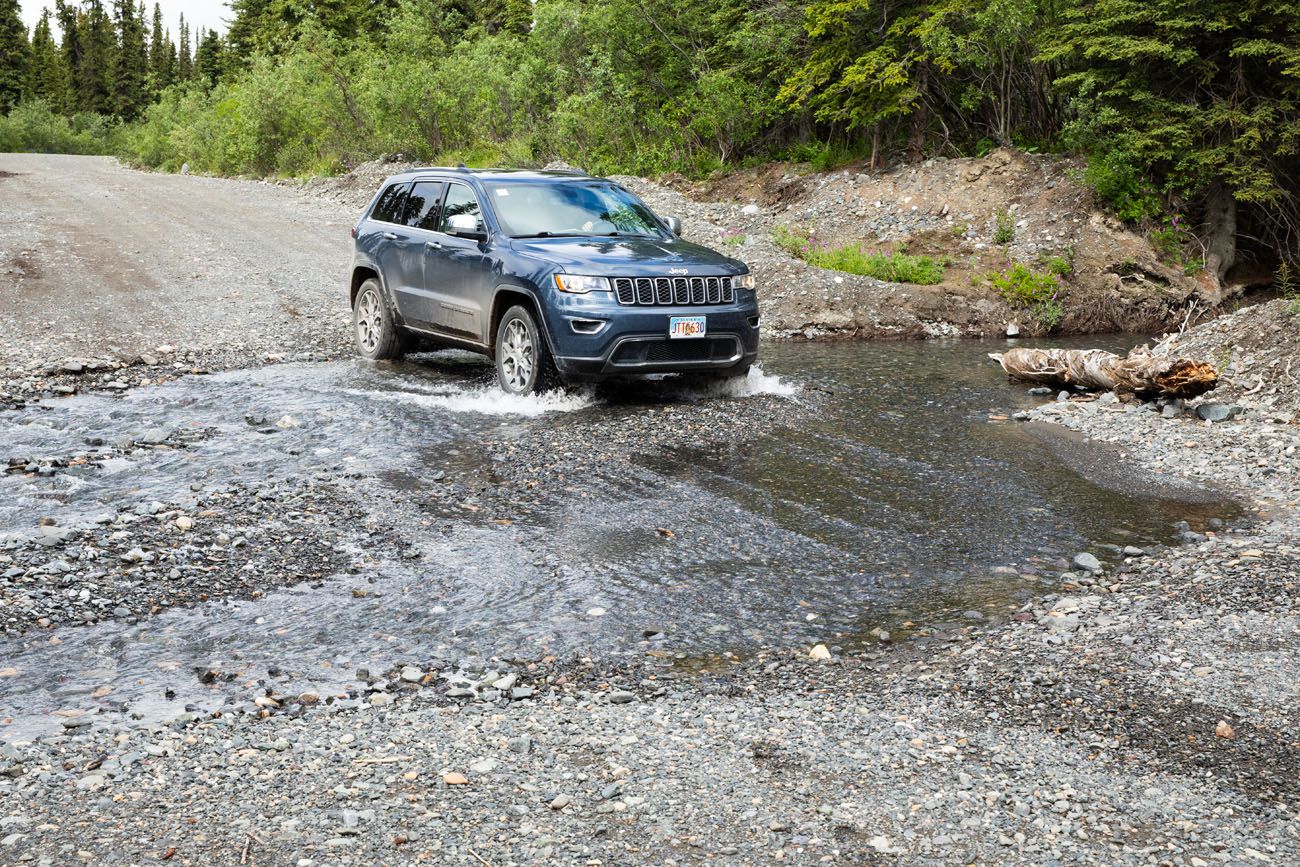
x=420, y=218
x=389, y=237
x=457, y=271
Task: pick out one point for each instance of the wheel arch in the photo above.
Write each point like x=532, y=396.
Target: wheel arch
x=506, y=297
x=360, y=274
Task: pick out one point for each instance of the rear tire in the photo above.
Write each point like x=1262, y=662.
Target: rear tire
x=523, y=360
x=376, y=335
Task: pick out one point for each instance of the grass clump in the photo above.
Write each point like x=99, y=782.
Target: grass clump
x=1005, y=232
x=1036, y=291
x=854, y=259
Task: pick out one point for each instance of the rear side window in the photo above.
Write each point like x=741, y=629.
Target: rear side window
x=460, y=200
x=389, y=207
x=422, y=205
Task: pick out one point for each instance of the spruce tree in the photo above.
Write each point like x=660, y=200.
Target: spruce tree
x=249, y=29
x=184, y=59
x=162, y=54
x=131, y=71
x=93, y=75
x=15, y=56
x=1204, y=96
x=69, y=19
x=49, y=76
x=519, y=16
x=209, y=59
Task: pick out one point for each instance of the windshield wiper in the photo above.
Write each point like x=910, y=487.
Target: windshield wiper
x=551, y=235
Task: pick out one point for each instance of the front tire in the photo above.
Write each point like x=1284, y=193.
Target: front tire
x=376, y=334
x=523, y=361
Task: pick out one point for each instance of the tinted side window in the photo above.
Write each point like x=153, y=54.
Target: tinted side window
x=422, y=205
x=389, y=207
x=460, y=200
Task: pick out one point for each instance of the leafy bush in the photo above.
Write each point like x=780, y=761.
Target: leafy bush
x=32, y=127
x=853, y=259
x=1005, y=233
x=1117, y=181
x=1024, y=288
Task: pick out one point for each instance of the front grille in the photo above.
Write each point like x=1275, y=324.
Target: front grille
x=676, y=291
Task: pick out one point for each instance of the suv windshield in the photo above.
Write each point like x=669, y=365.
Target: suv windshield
x=540, y=210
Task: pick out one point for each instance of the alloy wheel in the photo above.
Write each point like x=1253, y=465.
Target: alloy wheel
x=518, y=356
x=370, y=320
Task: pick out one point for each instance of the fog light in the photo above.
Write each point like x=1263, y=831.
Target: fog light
x=587, y=326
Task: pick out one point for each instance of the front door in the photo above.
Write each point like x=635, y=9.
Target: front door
x=457, y=271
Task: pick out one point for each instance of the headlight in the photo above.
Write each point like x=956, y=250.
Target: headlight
x=743, y=281
x=580, y=284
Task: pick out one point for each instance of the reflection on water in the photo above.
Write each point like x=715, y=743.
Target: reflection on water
x=892, y=501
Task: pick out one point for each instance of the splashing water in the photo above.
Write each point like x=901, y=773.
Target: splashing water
x=490, y=400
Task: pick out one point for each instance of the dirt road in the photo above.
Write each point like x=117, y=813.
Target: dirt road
x=102, y=261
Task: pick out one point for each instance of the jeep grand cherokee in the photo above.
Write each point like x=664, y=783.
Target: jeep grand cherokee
x=559, y=276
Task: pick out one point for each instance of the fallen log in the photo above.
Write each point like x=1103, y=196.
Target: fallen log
x=1139, y=372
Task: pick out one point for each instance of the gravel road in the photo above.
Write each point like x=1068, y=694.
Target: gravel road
x=127, y=275
x=1141, y=713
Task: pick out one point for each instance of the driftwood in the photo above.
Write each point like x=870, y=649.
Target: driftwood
x=1139, y=372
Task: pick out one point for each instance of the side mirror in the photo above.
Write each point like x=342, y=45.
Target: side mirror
x=674, y=225
x=465, y=226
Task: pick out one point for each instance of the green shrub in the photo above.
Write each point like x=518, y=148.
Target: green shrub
x=1027, y=289
x=1060, y=265
x=32, y=127
x=1005, y=233
x=1117, y=181
x=1173, y=240
x=1289, y=287
x=853, y=259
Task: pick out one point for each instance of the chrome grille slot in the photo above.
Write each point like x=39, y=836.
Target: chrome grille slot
x=681, y=290
x=668, y=291
x=663, y=290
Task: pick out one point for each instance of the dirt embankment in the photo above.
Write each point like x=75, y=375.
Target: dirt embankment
x=958, y=210
x=951, y=209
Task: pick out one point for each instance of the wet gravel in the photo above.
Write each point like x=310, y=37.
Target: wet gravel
x=230, y=541
x=1141, y=713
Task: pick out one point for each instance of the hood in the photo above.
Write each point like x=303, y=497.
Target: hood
x=628, y=257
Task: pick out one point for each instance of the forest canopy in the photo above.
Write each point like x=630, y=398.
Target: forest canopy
x=1187, y=106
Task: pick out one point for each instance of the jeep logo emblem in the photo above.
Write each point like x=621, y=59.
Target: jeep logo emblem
x=676, y=270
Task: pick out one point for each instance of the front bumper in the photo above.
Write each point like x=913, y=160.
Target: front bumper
x=634, y=340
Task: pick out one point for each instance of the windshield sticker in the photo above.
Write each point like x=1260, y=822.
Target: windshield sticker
x=502, y=191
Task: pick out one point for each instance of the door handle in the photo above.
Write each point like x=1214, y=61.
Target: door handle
x=390, y=236
x=433, y=245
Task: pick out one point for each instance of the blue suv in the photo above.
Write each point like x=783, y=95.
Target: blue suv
x=559, y=276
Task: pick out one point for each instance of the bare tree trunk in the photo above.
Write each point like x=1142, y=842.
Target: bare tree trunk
x=1138, y=373
x=1220, y=229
